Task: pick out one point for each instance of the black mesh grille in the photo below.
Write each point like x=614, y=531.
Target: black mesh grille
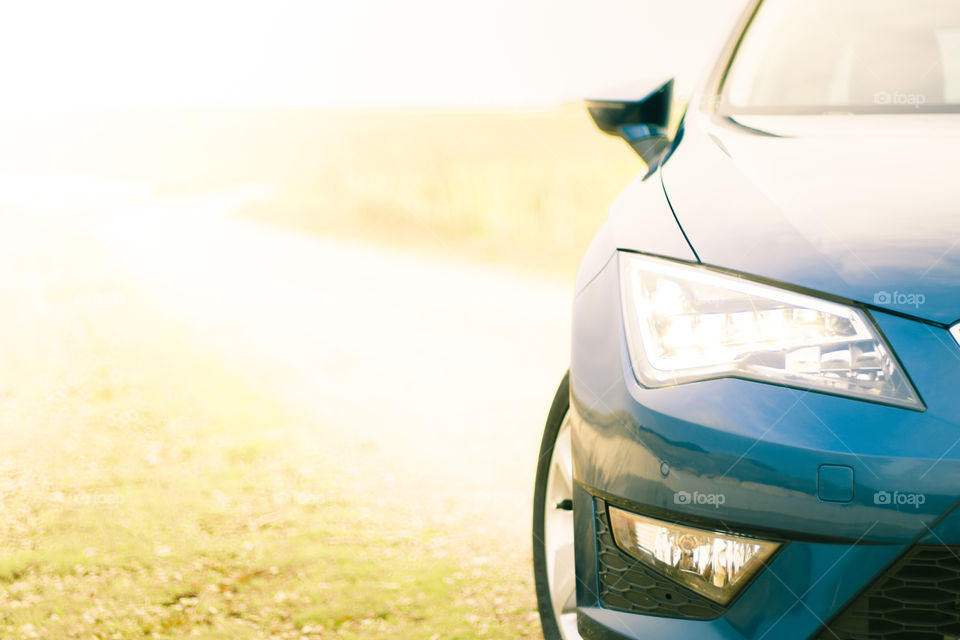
x=918, y=598
x=628, y=585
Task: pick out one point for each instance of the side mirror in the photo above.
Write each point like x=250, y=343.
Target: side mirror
x=641, y=121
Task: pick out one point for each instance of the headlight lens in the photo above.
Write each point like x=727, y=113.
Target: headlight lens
x=716, y=565
x=686, y=323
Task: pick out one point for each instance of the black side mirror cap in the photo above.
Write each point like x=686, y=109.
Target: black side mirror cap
x=641, y=121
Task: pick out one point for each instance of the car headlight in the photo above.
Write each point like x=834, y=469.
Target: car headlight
x=714, y=564
x=686, y=323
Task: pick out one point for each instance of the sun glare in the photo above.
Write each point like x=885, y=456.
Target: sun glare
x=61, y=56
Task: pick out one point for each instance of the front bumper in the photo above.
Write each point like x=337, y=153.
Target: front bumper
x=772, y=453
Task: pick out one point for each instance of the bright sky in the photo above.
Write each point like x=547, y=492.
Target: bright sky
x=241, y=53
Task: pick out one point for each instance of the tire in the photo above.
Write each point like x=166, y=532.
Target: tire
x=553, y=569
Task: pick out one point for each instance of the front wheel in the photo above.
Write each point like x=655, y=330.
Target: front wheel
x=553, y=559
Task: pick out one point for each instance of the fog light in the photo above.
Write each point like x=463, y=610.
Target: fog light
x=716, y=565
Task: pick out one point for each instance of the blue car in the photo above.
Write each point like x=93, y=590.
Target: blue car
x=759, y=434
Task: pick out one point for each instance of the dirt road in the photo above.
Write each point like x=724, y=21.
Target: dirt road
x=429, y=379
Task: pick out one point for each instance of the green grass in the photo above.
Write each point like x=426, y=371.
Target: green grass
x=147, y=491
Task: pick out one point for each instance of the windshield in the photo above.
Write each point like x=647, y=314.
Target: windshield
x=855, y=56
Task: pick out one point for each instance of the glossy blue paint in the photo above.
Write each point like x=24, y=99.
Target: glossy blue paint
x=801, y=588
x=762, y=446
x=835, y=483
x=859, y=209
x=759, y=444
x=640, y=218
x=585, y=551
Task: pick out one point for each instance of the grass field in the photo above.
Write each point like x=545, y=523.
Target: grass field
x=527, y=189
x=148, y=490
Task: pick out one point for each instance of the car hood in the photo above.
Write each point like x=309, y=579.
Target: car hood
x=861, y=207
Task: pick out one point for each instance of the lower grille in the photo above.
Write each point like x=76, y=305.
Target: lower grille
x=628, y=585
x=918, y=598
